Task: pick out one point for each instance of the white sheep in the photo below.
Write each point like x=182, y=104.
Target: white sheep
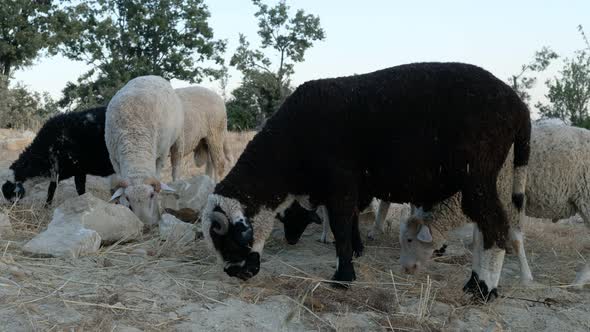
x=205, y=129
x=559, y=170
x=144, y=124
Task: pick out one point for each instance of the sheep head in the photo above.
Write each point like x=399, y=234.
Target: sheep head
x=231, y=235
x=295, y=220
x=13, y=190
x=142, y=199
x=416, y=241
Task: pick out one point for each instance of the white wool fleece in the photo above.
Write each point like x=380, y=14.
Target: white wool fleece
x=143, y=121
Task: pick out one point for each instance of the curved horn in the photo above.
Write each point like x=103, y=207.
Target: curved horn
x=220, y=220
x=154, y=183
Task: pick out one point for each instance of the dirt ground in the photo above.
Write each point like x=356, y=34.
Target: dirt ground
x=150, y=285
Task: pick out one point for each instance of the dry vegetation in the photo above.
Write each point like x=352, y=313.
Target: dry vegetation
x=156, y=285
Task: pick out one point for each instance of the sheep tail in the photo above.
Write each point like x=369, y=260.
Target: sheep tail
x=521, y=159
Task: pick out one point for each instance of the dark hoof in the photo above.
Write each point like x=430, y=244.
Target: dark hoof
x=342, y=280
x=340, y=285
x=358, y=252
x=471, y=284
x=441, y=251
x=479, y=289
x=344, y=275
x=358, y=248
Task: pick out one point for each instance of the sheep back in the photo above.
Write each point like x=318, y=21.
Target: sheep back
x=143, y=120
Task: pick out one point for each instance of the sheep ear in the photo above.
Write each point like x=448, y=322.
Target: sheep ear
x=166, y=187
x=424, y=234
x=117, y=194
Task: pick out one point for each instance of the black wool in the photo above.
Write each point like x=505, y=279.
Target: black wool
x=68, y=144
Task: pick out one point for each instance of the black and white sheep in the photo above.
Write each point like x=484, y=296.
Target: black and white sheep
x=144, y=124
x=559, y=167
x=69, y=144
x=453, y=122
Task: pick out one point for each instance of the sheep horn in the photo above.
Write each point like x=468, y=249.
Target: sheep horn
x=220, y=223
x=154, y=183
x=122, y=184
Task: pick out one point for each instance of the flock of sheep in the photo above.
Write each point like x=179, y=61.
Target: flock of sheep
x=449, y=138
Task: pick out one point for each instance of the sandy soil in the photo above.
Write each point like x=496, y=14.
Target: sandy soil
x=151, y=285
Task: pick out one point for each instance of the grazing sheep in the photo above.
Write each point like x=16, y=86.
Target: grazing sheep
x=69, y=144
x=144, y=123
x=556, y=189
x=296, y=219
x=205, y=129
x=453, y=122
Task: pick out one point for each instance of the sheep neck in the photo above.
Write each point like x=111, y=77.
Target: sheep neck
x=259, y=179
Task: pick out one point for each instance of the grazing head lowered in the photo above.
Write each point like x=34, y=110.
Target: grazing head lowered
x=13, y=190
x=416, y=241
x=142, y=199
x=227, y=230
x=295, y=220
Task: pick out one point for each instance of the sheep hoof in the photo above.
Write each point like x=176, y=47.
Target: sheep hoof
x=441, y=251
x=344, y=274
x=340, y=285
x=358, y=251
x=479, y=290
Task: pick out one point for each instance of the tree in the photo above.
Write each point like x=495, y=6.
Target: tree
x=521, y=82
x=257, y=92
x=22, y=109
x=569, y=93
x=26, y=28
x=264, y=87
x=123, y=39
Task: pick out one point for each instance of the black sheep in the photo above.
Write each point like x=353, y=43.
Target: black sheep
x=336, y=142
x=296, y=219
x=69, y=144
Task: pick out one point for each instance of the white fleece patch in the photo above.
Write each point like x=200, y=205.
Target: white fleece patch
x=491, y=262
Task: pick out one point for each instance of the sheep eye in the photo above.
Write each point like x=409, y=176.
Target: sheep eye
x=409, y=240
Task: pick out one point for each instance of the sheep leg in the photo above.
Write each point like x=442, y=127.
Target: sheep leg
x=54, y=171
x=80, y=181
x=341, y=223
x=517, y=239
x=159, y=166
x=50, y=193
x=210, y=169
x=481, y=203
x=175, y=160
x=216, y=154
x=343, y=214
x=583, y=276
x=357, y=242
x=379, y=218
x=323, y=213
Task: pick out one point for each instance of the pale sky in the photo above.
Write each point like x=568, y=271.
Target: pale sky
x=363, y=36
